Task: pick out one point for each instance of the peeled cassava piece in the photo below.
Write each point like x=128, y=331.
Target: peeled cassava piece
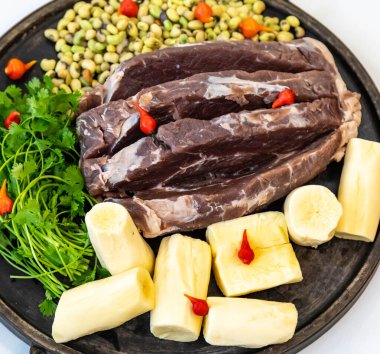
x=248, y=323
x=312, y=214
x=275, y=262
x=183, y=266
x=359, y=191
x=116, y=240
x=103, y=304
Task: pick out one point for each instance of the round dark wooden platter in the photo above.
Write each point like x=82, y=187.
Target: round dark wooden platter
x=335, y=274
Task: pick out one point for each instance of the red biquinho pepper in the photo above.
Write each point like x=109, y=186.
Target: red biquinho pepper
x=14, y=117
x=250, y=28
x=148, y=124
x=285, y=97
x=203, y=12
x=16, y=68
x=6, y=203
x=200, y=307
x=246, y=253
x=128, y=8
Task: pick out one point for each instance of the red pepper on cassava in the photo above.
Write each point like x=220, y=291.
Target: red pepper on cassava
x=128, y=8
x=200, y=307
x=16, y=68
x=203, y=12
x=148, y=124
x=250, y=28
x=246, y=253
x=6, y=203
x=14, y=117
x=285, y=97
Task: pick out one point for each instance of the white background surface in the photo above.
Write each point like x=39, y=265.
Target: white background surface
x=356, y=23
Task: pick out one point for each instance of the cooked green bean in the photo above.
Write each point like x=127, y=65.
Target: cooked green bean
x=92, y=38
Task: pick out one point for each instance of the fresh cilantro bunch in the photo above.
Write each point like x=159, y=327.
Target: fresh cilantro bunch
x=45, y=236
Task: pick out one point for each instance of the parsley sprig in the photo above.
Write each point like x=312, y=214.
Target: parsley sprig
x=44, y=237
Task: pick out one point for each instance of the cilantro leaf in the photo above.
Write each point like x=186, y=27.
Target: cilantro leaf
x=47, y=234
x=74, y=179
x=29, y=214
x=22, y=170
x=47, y=307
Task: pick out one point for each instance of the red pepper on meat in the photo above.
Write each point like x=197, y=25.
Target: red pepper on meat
x=203, y=12
x=200, y=307
x=16, y=68
x=246, y=253
x=285, y=97
x=128, y=8
x=6, y=203
x=148, y=124
x=14, y=117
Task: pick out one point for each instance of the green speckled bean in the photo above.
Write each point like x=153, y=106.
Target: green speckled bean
x=132, y=30
x=52, y=35
x=238, y=36
x=146, y=50
x=285, y=36
x=155, y=11
x=70, y=15
x=153, y=43
x=148, y=19
x=300, y=32
x=66, y=49
x=168, y=25
x=47, y=65
x=183, y=22
x=189, y=15
x=195, y=24
x=112, y=29
x=143, y=26
x=267, y=37
x=293, y=21
x=172, y=15
x=258, y=7
x=122, y=24
x=285, y=26
x=170, y=41
x=126, y=56
x=96, y=23
x=77, y=57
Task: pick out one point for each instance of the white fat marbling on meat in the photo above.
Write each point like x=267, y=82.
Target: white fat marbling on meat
x=227, y=86
x=145, y=100
x=151, y=218
x=182, y=208
x=129, y=123
x=126, y=160
x=113, y=84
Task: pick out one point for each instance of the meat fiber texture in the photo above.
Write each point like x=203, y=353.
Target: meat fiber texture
x=220, y=151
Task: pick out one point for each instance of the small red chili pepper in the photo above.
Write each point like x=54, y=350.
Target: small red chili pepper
x=203, y=12
x=6, y=203
x=246, y=253
x=14, y=117
x=250, y=28
x=200, y=307
x=285, y=97
x=16, y=68
x=148, y=124
x=128, y=8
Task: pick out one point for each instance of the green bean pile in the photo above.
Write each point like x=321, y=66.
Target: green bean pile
x=92, y=38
